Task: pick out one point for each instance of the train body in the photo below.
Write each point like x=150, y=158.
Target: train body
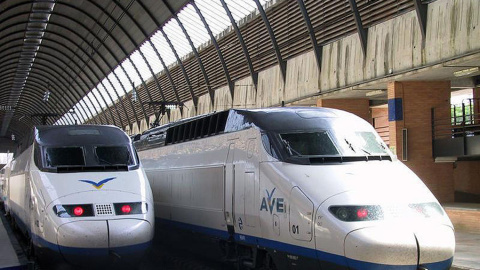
x=294, y=188
x=81, y=196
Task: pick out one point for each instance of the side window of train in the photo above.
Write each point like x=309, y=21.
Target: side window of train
x=267, y=144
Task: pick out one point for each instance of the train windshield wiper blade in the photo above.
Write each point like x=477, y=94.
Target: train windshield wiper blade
x=290, y=149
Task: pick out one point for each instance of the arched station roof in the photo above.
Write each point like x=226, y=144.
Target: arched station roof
x=53, y=53
x=107, y=62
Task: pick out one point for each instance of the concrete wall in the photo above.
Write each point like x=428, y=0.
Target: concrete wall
x=453, y=28
x=395, y=46
x=270, y=89
x=244, y=96
x=303, y=77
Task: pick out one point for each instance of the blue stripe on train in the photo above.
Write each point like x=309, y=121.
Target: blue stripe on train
x=302, y=251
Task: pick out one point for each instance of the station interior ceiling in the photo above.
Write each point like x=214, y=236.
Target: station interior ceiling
x=80, y=42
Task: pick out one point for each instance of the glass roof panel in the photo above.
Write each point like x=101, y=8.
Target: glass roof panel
x=163, y=49
x=178, y=39
x=217, y=20
x=194, y=26
x=152, y=57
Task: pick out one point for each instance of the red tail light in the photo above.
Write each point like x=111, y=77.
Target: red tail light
x=362, y=213
x=126, y=209
x=130, y=208
x=357, y=212
x=78, y=211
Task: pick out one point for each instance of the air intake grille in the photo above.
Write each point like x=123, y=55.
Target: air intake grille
x=103, y=210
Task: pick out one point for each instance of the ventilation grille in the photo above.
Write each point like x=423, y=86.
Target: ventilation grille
x=103, y=210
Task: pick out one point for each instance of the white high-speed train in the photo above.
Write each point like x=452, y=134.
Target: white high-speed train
x=81, y=196
x=293, y=188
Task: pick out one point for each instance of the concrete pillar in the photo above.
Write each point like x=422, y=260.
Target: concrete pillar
x=357, y=106
x=409, y=105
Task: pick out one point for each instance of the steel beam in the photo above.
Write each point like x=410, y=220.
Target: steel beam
x=362, y=32
x=421, y=10
x=316, y=49
x=230, y=83
x=242, y=44
x=195, y=52
x=281, y=63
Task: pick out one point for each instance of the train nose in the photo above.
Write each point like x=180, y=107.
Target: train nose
x=99, y=242
x=388, y=247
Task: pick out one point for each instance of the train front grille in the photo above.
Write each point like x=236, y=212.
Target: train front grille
x=104, y=210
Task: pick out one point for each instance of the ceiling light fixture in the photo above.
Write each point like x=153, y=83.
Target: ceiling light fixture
x=466, y=72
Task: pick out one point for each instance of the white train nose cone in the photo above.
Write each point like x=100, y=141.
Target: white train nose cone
x=81, y=242
x=83, y=239
x=392, y=246
x=128, y=233
x=374, y=246
x=437, y=246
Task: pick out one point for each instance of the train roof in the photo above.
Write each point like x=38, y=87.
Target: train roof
x=66, y=135
x=268, y=119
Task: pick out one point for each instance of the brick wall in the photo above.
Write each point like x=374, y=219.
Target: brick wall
x=418, y=98
x=380, y=123
x=359, y=106
x=467, y=177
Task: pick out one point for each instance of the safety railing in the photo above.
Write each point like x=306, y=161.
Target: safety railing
x=456, y=131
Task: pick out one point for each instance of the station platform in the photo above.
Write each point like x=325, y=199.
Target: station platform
x=11, y=254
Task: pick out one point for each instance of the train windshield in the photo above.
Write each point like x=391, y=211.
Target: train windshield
x=308, y=144
x=89, y=157
x=331, y=143
x=363, y=143
x=64, y=156
x=113, y=155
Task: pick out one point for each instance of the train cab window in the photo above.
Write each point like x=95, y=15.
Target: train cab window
x=363, y=143
x=308, y=144
x=113, y=155
x=267, y=144
x=64, y=156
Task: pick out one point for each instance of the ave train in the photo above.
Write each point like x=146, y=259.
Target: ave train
x=81, y=197
x=293, y=188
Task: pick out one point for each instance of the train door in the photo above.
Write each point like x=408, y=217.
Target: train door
x=241, y=187
x=229, y=185
x=246, y=188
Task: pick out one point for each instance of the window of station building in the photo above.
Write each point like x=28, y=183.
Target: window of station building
x=64, y=156
x=113, y=155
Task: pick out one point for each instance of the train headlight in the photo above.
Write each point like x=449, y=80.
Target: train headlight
x=73, y=210
x=130, y=208
x=357, y=213
x=427, y=210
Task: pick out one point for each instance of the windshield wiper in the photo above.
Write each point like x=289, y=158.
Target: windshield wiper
x=104, y=161
x=350, y=145
x=290, y=149
x=368, y=153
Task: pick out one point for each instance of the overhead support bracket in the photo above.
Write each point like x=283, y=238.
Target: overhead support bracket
x=362, y=32
x=421, y=10
x=194, y=50
x=230, y=83
x=242, y=44
x=316, y=49
x=276, y=48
